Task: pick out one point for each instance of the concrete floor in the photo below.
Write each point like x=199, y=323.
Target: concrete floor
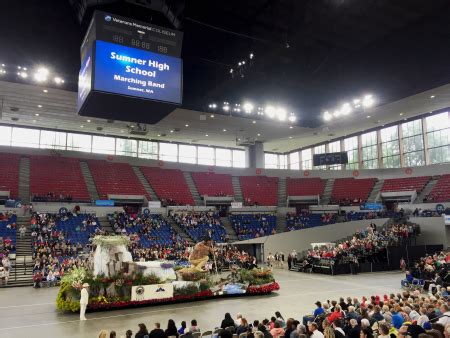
x=26, y=312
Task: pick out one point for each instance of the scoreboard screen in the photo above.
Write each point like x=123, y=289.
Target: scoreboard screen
x=130, y=70
x=330, y=158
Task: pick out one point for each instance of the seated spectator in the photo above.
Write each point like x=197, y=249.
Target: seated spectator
x=194, y=328
x=227, y=321
x=142, y=331
x=157, y=332
x=171, y=329
x=243, y=328
x=182, y=329
x=277, y=330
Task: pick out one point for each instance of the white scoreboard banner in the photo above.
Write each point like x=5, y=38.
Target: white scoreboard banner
x=447, y=219
x=154, y=291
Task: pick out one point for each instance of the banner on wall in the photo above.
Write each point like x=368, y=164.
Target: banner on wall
x=104, y=203
x=372, y=206
x=10, y=203
x=154, y=291
x=236, y=204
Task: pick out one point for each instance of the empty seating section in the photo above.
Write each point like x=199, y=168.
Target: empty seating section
x=169, y=184
x=441, y=191
x=59, y=175
x=115, y=178
x=260, y=190
x=9, y=174
x=249, y=226
x=8, y=233
x=212, y=184
x=304, y=186
x=354, y=191
x=405, y=184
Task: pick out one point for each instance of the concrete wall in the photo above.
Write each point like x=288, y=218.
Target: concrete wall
x=434, y=230
x=301, y=239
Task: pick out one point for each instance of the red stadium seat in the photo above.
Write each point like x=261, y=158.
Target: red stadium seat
x=212, y=184
x=405, y=184
x=9, y=173
x=351, y=189
x=441, y=191
x=304, y=186
x=261, y=190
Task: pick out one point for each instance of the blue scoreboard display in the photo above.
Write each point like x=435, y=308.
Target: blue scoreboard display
x=130, y=70
x=133, y=72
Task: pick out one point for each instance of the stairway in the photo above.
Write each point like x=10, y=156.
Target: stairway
x=326, y=196
x=237, y=189
x=145, y=183
x=22, y=270
x=192, y=187
x=374, y=195
x=427, y=189
x=229, y=229
x=104, y=222
x=281, y=223
x=282, y=198
x=24, y=179
x=89, y=180
x=180, y=231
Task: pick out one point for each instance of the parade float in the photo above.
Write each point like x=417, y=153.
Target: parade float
x=117, y=282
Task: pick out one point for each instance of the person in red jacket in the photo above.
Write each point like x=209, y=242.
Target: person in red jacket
x=336, y=314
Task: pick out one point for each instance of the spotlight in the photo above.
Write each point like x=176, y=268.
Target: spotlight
x=337, y=113
x=226, y=108
x=3, y=65
x=292, y=118
x=41, y=74
x=23, y=75
x=231, y=71
x=243, y=62
x=253, y=121
x=58, y=80
x=270, y=111
x=327, y=116
x=45, y=90
x=251, y=55
x=18, y=67
x=240, y=64
x=281, y=114
x=346, y=109
x=248, y=107
x=368, y=101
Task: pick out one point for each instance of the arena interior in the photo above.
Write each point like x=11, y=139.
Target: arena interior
x=232, y=169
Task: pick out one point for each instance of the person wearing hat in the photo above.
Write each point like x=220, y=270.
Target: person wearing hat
x=84, y=299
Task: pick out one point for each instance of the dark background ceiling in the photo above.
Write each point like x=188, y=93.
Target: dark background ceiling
x=338, y=49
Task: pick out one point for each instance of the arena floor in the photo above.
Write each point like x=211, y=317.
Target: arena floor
x=26, y=312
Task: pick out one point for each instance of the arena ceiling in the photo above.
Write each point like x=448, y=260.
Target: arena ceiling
x=310, y=55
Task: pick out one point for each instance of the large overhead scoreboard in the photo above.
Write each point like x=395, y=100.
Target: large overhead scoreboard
x=130, y=70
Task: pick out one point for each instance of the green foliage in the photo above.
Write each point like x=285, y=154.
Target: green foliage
x=193, y=276
x=186, y=290
x=68, y=298
x=256, y=276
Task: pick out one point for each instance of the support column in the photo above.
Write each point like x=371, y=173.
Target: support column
x=254, y=155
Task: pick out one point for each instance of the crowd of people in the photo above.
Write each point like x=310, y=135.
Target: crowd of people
x=52, y=197
x=200, y=224
x=396, y=315
x=249, y=226
x=366, y=242
x=229, y=255
x=56, y=251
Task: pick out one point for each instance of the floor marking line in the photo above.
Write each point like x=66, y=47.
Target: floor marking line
x=26, y=305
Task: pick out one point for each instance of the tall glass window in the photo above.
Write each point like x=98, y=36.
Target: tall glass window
x=5, y=136
x=438, y=134
x=52, y=140
x=223, y=157
x=294, y=161
x=390, y=147
x=126, y=147
x=270, y=161
x=188, y=154
x=335, y=147
x=320, y=150
x=168, y=152
x=148, y=150
x=205, y=155
x=351, y=147
x=306, y=159
x=238, y=159
x=412, y=140
x=369, y=150
x=79, y=142
x=22, y=137
x=103, y=145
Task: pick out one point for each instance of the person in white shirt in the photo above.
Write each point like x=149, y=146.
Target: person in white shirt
x=314, y=329
x=445, y=319
x=238, y=320
x=84, y=300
